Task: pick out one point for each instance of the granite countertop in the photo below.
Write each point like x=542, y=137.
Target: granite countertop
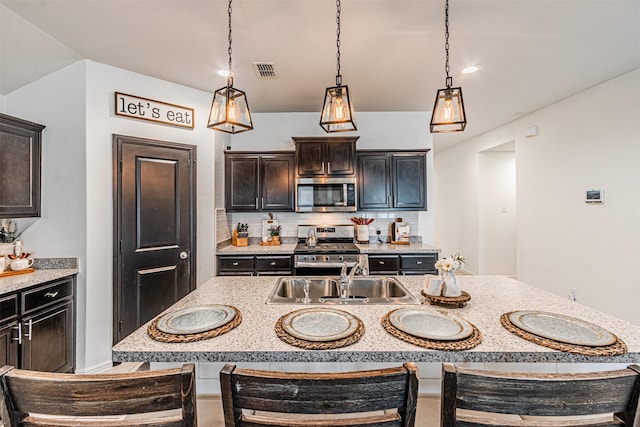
x=288, y=248
x=18, y=282
x=254, y=340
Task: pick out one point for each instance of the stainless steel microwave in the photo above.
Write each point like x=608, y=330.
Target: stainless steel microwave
x=326, y=195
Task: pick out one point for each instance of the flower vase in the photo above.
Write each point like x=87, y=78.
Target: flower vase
x=450, y=286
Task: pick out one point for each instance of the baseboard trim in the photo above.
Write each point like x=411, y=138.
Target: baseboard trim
x=95, y=369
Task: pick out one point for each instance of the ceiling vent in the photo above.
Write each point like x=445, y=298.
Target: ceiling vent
x=265, y=70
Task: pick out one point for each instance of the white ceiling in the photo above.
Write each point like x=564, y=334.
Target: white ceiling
x=531, y=53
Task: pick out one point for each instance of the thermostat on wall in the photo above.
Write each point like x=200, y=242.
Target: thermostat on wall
x=594, y=195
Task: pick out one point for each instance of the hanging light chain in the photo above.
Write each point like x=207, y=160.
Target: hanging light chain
x=338, y=75
x=449, y=81
x=229, y=49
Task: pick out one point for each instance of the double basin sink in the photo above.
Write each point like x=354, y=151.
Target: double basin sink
x=326, y=290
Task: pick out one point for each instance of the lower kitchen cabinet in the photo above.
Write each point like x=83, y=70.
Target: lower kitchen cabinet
x=40, y=332
x=255, y=265
x=422, y=263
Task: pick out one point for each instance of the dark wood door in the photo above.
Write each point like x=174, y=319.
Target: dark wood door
x=154, y=229
x=47, y=340
x=409, y=181
x=242, y=185
x=276, y=182
x=341, y=158
x=311, y=158
x=374, y=181
x=9, y=344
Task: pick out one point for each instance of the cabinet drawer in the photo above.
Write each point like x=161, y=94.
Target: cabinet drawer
x=270, y=263
x=236, y=264
x=46, y=295
x=386, y=263
x=418, y=262
x=8, y=308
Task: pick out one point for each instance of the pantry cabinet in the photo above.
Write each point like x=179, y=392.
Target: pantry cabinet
x=37, y=327
x=20, y=145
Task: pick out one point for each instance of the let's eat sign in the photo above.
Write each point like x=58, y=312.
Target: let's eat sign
x=154, y=111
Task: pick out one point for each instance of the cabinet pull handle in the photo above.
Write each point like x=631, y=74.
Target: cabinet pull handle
x=273, y=263
x=381, y=262
x=262, y=198
x=328, y=168
x=256, y=203
x=235, y=263
x=51, y=294
x=322, y=168
x=419, y=262
x=388, y=201
x=28, y=334
x=19, y=328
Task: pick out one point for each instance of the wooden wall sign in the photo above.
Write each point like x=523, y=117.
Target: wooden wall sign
x=155, y=111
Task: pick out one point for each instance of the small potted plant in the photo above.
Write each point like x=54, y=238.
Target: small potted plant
x=275, y=233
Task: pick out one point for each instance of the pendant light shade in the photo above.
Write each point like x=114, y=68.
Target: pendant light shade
x=230, y=109
x=337, y=110
x=448, y=111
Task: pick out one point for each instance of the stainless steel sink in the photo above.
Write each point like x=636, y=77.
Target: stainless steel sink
x=324, y=290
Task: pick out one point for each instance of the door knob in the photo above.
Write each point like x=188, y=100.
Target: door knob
x=184, y=255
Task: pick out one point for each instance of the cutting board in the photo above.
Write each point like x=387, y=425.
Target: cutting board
x=13, y=273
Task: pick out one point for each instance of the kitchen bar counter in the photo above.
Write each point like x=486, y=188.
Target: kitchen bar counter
x=254, y=340
x=18, y=282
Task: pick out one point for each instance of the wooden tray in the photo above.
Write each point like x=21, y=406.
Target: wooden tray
x=13, y=273
x=270, y=243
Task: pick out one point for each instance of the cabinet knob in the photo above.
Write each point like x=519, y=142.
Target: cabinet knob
x=184, y=255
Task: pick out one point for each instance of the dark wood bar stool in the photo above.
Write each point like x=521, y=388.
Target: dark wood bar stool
x=32, y=398
x=383, y=397
x=472, y=397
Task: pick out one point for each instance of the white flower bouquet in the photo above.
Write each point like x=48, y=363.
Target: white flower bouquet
x=451, y=263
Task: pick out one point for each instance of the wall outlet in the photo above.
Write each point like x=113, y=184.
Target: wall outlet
x=572, y=295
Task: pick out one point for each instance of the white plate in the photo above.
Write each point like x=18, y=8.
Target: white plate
x=320, y=324
x=193, y=320
x=423, y=324
x=562, y=328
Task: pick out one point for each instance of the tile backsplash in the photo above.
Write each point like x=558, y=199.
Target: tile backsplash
x=290, y=220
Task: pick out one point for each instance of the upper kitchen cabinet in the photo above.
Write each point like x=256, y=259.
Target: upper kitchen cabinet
x=257, y=182
x=322, y=156
x=392, y=180
x=20, y=145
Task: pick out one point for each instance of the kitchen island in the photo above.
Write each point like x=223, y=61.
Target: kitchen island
x=255, y=340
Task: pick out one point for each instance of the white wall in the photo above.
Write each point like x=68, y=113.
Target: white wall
x=591, y=139
x=377, y=131
x=77, y=199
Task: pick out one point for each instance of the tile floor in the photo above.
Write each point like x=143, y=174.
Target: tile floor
x=210, y=411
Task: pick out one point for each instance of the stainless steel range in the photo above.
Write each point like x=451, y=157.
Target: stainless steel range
x=323, y=249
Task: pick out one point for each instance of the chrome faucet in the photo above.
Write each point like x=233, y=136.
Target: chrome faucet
x=345, y=279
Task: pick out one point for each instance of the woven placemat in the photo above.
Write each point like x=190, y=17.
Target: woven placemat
x=318, y=345
x=465, y=344
x=459, y=302
x=615, y=349
x=159, y=335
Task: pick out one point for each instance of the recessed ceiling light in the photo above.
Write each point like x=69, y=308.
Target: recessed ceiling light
x=224, y=73
x=470, y=69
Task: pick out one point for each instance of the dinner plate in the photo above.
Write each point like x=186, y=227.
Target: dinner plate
x=433, y=326
x=320, y=324
x=197, y=319
x=562, y=328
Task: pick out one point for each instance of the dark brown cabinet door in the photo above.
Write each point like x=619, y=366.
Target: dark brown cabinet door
x=374, y=180
x=20, y=145
x=242, y=183
x=9, y=344
x=321, y=156
x=409, y=180
x=47, y=340
x=259, y=182
x=276, y=182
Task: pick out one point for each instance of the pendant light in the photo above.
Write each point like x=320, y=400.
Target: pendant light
x=337, y=110
x=448, y=111
x=229, y=109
